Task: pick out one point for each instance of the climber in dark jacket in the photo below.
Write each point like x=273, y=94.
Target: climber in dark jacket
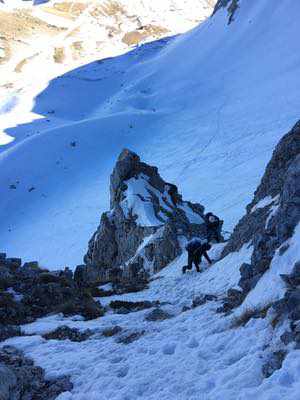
x=214, y=227
x=196, y=248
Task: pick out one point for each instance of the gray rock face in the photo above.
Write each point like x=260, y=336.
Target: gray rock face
x=274, y=177
x=21, y=379
x=277, y=184
x=142, y=229
x=269, y=224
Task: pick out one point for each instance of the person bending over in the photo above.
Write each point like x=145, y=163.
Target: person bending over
x=196, y=248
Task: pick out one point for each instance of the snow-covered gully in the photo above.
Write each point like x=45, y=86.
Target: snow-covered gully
x=195, y=354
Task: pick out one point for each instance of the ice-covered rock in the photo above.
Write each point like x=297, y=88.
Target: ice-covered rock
x=144, y=228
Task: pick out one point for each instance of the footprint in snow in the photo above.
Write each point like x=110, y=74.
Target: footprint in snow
x=123, y=371
x=193, y=343
x=169, y=348
x=116, y=360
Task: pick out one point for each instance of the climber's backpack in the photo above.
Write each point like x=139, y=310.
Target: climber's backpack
x=194, y=244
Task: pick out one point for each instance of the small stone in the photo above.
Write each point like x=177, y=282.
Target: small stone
x=108, y=332
x=131, y=337
x=157, y=315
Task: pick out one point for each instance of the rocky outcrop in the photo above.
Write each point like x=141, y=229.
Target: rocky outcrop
x=267, y=195
x=271, y=217
x=28, y=292
x=231, y=5
x=65, y=332
x=143, y=228
x=21, y=379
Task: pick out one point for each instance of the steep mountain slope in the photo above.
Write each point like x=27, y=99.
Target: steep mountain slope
x=184, y=336
x=206, y=107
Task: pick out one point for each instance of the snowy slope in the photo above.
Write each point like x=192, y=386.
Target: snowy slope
x=206, y=107
x=197, y=354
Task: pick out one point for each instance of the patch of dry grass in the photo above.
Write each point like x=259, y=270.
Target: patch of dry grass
x=248, y=314
x=67, y=9
x=109, y=8
x=59, y=55
x=137, y=36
